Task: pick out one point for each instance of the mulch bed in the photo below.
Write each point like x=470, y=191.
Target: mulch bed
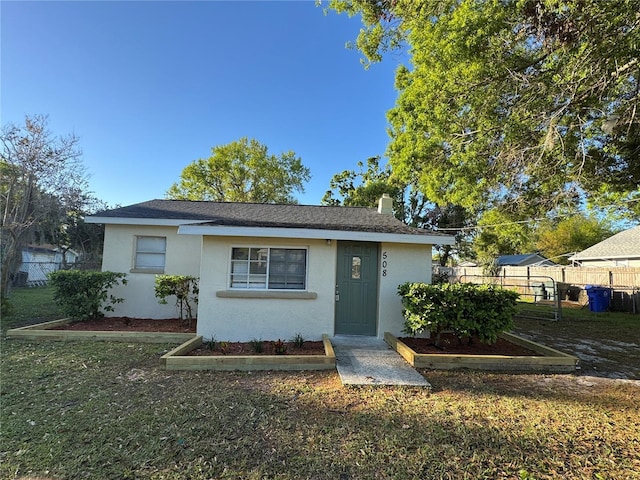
x=245, y=349
x=126, y=324
x=451, y=345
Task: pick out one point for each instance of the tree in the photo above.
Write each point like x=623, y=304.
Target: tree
x=502, y=233
x=513, y=102
x=365, y=187
x=41, y=175
x=557, y=240
x=242, y=171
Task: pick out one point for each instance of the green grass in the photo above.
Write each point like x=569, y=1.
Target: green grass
x=28, y=306
x=109, y=411
x=583, y=322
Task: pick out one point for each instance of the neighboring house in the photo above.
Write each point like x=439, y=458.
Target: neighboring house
x=467, y=263
x=40, y=260
x=523, y=260
x=620, y=250
x=269, y=271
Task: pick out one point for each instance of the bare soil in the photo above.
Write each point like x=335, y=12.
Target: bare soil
x=246, y=348
x=126, y=324
x=450, y=344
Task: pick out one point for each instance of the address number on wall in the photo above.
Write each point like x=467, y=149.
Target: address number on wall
x=385, y=263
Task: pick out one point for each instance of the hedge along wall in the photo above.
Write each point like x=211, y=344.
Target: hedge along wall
x=469, y=310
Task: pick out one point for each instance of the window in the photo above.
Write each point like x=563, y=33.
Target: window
x=150, y=253
x=269, y=268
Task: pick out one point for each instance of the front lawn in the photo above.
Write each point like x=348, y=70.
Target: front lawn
x=110, y=411
x=82, y=410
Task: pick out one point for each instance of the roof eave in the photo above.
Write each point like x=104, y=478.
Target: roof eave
x=160, y=222
x=605, y=258
x=307, y=233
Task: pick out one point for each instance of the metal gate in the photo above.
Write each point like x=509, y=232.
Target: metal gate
x=534, y=289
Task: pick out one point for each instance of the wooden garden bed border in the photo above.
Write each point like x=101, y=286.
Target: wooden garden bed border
x=548, y=359
x=177, y=360
x=42, y=331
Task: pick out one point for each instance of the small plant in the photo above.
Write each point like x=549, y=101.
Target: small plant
x=257, y=345
x=224, y=347
x=212, y=344
x=298, y=341
x=184, y=288
x=279, y=347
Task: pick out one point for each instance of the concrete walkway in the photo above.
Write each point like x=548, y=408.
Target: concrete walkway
x=370, y=361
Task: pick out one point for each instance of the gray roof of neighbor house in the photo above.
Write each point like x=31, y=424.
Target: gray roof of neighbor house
x=211, y=214
x=625, y=244
x=523, y=259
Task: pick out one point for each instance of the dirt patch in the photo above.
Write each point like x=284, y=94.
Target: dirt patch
x=450, y=344
x=126, y=324
x=247, y=348
x=602, y=358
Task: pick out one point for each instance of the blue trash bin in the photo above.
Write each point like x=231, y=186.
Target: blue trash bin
x=599, y=298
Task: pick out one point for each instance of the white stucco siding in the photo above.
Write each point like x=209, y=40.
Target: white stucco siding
x=243, y=319
x=182, y=258
x=399, y=263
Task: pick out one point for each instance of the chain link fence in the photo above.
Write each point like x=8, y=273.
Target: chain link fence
x=36, y=274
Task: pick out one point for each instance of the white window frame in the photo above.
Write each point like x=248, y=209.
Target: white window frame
x=137, y=251
x=265, y=288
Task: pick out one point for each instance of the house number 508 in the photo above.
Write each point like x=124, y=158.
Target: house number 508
x=384, y=264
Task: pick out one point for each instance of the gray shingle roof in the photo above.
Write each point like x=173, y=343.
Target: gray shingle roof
x=358, y=219
x=522, y=260
x=625, y=244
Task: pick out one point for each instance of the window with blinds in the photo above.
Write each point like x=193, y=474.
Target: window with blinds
x=268, y=268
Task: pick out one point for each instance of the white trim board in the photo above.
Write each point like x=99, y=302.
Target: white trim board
x=306, y=233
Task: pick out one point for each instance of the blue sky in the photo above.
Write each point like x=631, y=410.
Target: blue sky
x=149, y=87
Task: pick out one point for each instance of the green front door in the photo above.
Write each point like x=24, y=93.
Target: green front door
x=357, y=288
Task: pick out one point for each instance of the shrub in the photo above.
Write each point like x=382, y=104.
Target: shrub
x=184, y=288
x=257, y=345
x=468, y=310
x=84, y=294
x=279, y=347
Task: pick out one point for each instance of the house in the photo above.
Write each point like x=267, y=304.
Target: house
x=619, y=250
x=269, y=271
x=467, y=263
x=523, y=260
x=40, y=260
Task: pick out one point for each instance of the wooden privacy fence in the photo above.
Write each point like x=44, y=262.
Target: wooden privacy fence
x=606, y=277
x=624, y=282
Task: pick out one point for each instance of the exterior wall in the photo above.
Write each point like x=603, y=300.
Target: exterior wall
x=243, y=319
x=404, y=263
x=619, y=262
x=182, y=258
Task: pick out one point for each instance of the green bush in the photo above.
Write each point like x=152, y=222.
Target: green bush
x=467, y=310
x=83, y=294
x=184, y=288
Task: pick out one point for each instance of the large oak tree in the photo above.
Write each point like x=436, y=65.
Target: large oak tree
x=242, y=171
x=527, y=104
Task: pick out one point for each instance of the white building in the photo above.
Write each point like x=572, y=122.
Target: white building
x=269, y=271
x=620, y=250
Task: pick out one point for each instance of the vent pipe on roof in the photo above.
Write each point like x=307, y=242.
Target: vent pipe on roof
x=385, y=205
